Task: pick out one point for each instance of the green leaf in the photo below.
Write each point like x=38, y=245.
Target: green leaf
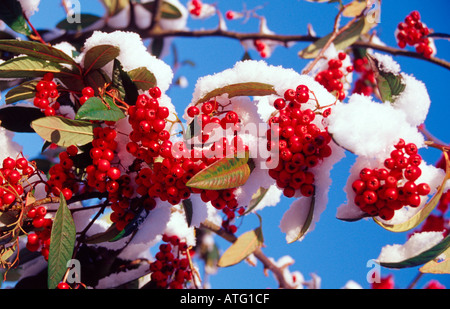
x=64, y=132
x=36, y=50
x=423, y=213
x=421, y=258
x=62, y=241
x=307, y=223
x=11, y=14
x=28, y=67
x=437, y=267
x=96, y=109
x=240, y=89
x=19, y=118
x=25, y=91
x=86, y=21
x=225, y=173
x=98, y=56
x=245, y=245
x=345, y=39
x=389, y=84
x=142, y=78
x=168, y=10
x=122, y=82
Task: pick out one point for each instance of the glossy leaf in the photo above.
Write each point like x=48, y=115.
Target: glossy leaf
x=99, y=56
x=86, y=21
x=422, y=214
x=24, y=91
x=96, y=109
x=421, y=258
x=11, y=14
x=64, y=132
x=240, y=89
x=345, y=39
x=19, y=118
x=245, y=245
x=142, y=78
x=188, y=210
x=225, y=173
x=36, y=50
x=355, y=8
x=438, y=267
x=27, y=67
x=62, y=241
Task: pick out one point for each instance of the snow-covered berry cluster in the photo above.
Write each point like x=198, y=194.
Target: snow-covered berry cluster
x=382, y=191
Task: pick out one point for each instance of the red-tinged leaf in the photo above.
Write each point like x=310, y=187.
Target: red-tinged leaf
x=62, y=241
x=27, y=67
x=240, y=89
x=98, y=56
x=225, y=173
x=245, y=245
x=142, y=78
x=36, y=50
x=64, y=132
x=421, y=258
x=423, y=213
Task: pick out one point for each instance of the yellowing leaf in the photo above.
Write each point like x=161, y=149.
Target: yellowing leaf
x=225, y=173
x=438, y=267
x=240, y=89
x=242, y=248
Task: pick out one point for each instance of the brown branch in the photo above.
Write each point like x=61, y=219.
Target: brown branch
x=80, y=38
x=278, y=272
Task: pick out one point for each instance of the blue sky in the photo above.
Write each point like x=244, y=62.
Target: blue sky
x=336, y=251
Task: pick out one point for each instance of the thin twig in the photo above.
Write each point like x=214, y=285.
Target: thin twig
x=257, y=253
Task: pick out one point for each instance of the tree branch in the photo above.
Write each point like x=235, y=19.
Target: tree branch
x=257, y=253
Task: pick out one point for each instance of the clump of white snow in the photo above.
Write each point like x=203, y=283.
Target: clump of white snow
x=416, y=244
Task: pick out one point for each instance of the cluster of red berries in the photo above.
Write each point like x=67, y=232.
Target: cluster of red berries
x=40, y=239
x=105, y=177
x=11, y=174
x=61, y=176
x=46, y=95
x=366, y=81
x=413, y=32
x=209, y=119
x=333, y=77
x=196, y=7
x=301, y=143
x=382, y=191
x=171, y=269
